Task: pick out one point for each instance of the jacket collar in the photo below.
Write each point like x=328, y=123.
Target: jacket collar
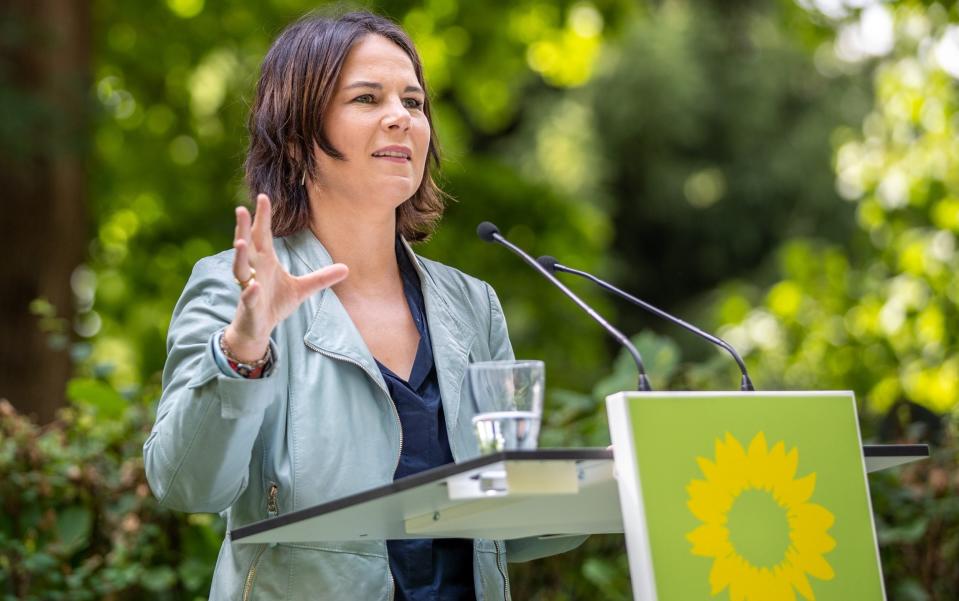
x=333, y=332
x=452, y=337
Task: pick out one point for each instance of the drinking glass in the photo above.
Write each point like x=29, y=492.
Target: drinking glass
x=509, y=402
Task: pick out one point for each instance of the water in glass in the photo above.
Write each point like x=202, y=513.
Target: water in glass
x=506, y=430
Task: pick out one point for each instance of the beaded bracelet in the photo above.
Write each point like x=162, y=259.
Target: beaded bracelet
x=247, y=370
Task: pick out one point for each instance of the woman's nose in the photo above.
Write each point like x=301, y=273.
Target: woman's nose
x=397, y=115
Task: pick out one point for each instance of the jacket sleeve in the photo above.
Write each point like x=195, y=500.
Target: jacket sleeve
x=500, y=347
x=197, y=455
x=521, y=549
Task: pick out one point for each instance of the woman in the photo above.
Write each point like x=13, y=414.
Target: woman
x=321, y=357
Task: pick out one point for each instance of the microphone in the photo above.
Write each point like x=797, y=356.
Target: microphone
x=552, y=265
x=490, y=233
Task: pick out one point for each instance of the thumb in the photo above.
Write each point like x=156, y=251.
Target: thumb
x=312, y=283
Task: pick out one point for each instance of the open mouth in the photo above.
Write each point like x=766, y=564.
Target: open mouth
x=398, y=156
x=398, y=153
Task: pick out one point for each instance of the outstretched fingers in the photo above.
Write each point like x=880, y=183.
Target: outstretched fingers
x=241, y=243
x=323, y=278
x=262, y=235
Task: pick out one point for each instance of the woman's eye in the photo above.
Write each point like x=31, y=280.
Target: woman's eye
x=412, y=103
x=365, y=98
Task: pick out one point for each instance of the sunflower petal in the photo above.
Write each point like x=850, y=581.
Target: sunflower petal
x=757, y=446
x=729, y=451
x=779, y=587
x=710, y=540
x=798, y=491
x=785, y=474
x=721, y=575
x=708, y=468
x=811, y=516
x=731, y=464
x=813, y=564
x=798, y=579
x=778, y=466
x=757, y=459
x=740, y=579
x=791, y=463
x=708, y=502
x=814, y=542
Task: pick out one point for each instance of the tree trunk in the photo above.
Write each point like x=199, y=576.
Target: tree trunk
x=44, y=83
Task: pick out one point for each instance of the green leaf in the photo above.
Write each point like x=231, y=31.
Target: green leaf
x=660, y=358
x=905, y=533
x=910, y=590
x=660, y=355
x=97, y=397
x=599, y=572
x=38, y=563
x=73, y=526
x=158, y=579
x=569, y=400
x=194, y=573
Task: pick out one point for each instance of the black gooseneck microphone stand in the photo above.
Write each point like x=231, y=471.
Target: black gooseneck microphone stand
x=552, y=265
x=490, y=233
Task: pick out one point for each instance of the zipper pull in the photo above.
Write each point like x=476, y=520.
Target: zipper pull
x=272, y=509
x=271, y=505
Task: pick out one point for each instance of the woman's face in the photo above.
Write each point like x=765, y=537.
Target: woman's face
x=376, y=121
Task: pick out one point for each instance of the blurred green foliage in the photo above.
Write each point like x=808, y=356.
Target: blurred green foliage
x=879, y=314
x=755, y=164
x=715, y=129
x=917, y=522
x=77, y=519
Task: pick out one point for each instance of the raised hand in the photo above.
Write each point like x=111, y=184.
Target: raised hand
x=270, y=294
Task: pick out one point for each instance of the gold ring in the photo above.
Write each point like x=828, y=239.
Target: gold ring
x=244, y=283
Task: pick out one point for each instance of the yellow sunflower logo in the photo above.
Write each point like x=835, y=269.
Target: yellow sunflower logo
x=758, y=525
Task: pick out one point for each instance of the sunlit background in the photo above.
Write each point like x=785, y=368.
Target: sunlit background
x=783, y=173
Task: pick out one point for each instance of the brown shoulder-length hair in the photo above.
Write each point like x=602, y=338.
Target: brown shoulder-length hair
x=297, y=83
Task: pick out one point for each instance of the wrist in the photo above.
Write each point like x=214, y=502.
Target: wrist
x=244, y=349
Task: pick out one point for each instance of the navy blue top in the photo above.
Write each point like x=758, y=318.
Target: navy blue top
x=424, y=569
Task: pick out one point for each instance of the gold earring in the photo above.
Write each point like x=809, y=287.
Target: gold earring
x=303, y=180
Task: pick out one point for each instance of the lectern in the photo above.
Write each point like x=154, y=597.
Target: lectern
x=664, y=444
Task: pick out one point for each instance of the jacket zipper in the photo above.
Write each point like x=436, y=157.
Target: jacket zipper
x=503, y=570
x=251, y=575
x=272, y=509
x=396, y=413
x=399, y=427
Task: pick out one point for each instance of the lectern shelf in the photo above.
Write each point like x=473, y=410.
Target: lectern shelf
x=506, y=495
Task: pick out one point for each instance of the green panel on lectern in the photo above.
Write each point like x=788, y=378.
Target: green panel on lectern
x=755, y=497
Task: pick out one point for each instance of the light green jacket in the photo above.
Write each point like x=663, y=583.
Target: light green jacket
x=320, y=427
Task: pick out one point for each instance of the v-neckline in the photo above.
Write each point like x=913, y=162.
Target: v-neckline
x=418, y=371
x=412, y=285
